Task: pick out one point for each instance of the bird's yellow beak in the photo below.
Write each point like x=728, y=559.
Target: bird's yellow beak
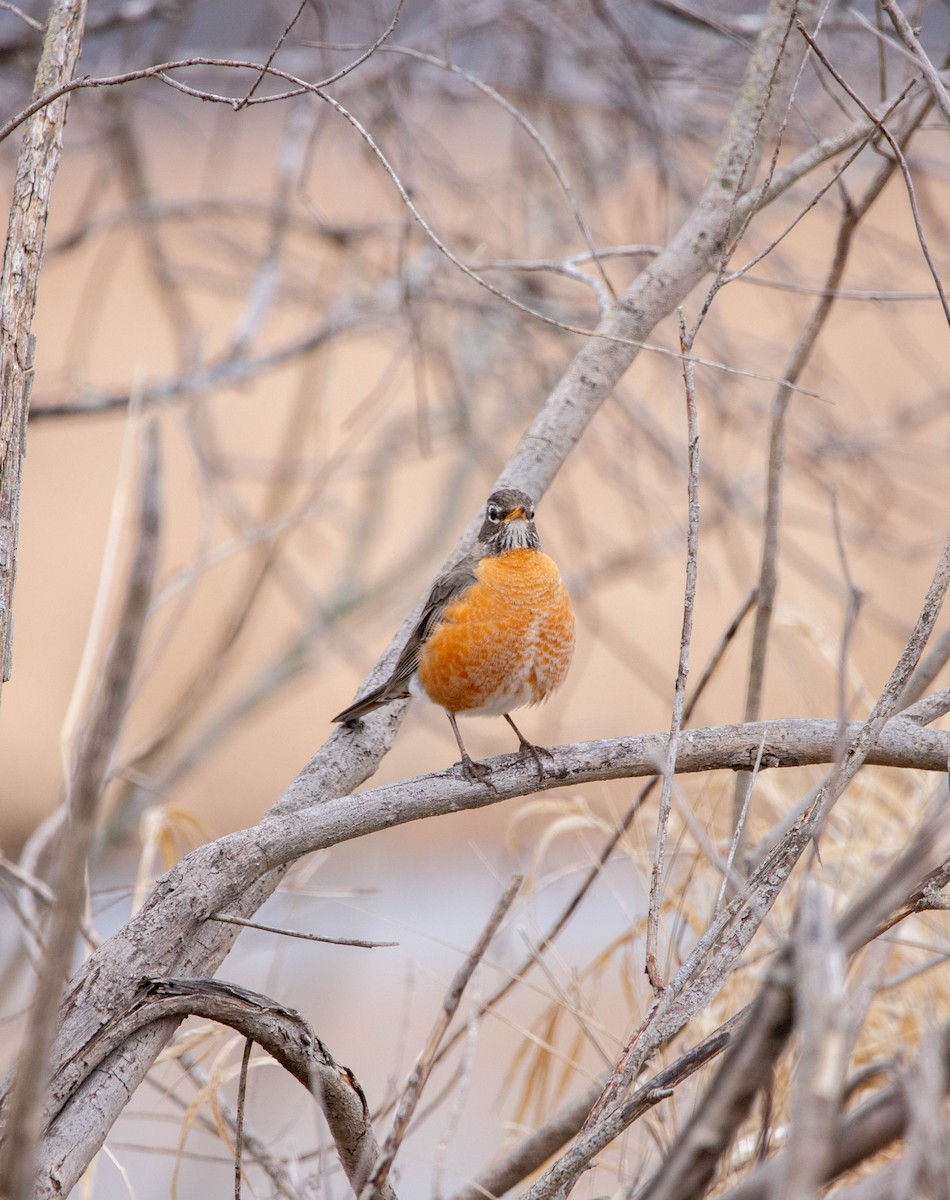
x=516, y=514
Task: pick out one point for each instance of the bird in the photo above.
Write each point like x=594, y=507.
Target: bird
x=496, y=631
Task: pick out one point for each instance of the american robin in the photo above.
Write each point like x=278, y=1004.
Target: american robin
x=496, y=632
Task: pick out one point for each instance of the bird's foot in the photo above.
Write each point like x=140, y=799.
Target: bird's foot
x=475, y=771
x=535, y=752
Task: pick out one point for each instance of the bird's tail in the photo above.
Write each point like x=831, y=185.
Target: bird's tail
x=384, y=694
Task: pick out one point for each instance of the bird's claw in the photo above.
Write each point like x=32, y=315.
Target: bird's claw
x=535, y=752
x=477, y=772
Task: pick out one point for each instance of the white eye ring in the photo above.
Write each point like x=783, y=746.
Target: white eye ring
x=494, y=514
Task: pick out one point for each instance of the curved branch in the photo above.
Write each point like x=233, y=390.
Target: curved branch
x=283, y=1032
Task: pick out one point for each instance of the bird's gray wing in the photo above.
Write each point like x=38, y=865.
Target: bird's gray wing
x=447, y=587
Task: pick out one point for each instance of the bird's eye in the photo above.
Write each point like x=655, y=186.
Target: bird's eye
x=494, y=513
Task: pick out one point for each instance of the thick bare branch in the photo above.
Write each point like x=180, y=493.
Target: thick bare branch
x=23, y=255
x=283, y=1032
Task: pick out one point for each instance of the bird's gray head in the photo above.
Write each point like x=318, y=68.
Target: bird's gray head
x=509, y=522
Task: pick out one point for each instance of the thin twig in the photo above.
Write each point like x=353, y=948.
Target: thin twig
x=293, y=933
x=262, y=74
x=906, y=33
x=239, y=1124
x=682, y=672
x=608, y=295
x=767, y=585
x=902, y=163
x=423, y=1065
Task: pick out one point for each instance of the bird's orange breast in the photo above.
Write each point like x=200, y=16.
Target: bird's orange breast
x=504, y=642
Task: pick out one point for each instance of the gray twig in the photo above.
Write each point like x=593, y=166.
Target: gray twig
x=682, y=670
x=375, y=1187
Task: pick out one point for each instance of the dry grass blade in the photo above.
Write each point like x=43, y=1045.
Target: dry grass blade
x=94, y=749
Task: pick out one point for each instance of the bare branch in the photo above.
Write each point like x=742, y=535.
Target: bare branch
x=821, y=1017
x=37, y=163
x=928, y=669
x=283, y=1032
x=749, y=1061
x=929, y=708
x=358, y=943
x=858, y=1136
x=902, y=162
x=906, y=33
x=767, y=586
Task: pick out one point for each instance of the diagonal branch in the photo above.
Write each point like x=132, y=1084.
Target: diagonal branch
x=906, y=33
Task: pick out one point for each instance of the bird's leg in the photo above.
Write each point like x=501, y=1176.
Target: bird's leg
x=477, y=771
x=529, y=747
